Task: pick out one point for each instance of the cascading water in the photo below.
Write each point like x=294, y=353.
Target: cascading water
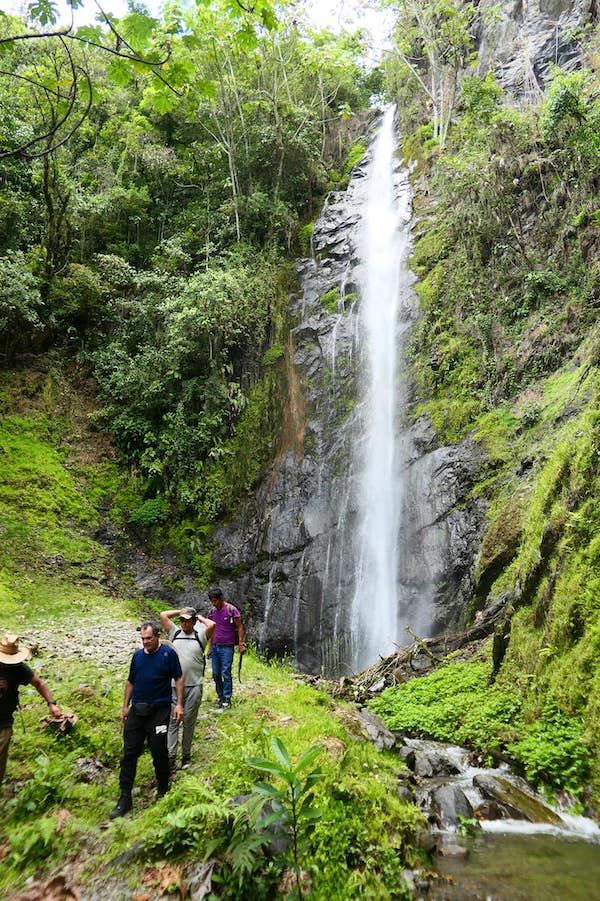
x=384, y=286
x=366, y=525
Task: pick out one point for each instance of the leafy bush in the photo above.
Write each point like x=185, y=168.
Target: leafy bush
x=151, y=512
x=273, y=354
x=553, y=751
x=32, y=843
x=50, y=784
x=20, y=302
x=455, y=703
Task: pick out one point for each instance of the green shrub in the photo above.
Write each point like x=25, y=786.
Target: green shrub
x=50, y=784
x=553, y=751
x=152, y=512
x=273, y=354
x=305, y=237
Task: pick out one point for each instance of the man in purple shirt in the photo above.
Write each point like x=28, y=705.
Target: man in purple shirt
x=228, y=633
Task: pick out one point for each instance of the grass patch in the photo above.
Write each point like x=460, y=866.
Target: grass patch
x=363, y=819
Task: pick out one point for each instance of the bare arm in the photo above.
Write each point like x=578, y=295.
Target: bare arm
x=178, y=709
x=209, y=625
x=126, y=700
x=166, y=619
x=239, y=628
x=43, y=690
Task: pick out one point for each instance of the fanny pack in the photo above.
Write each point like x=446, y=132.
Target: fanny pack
x=142, y=708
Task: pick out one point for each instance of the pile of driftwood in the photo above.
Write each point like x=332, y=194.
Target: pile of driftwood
x=423, y=655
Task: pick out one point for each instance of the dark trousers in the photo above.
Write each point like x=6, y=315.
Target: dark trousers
x=138, y=730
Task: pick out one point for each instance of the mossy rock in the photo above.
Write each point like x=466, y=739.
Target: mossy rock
x=500, y=543
x=515, y=802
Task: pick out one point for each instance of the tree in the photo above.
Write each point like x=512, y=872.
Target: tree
x=137, y=43
x=433, y=44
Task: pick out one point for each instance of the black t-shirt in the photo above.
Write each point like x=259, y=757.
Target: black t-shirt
x=11, y=677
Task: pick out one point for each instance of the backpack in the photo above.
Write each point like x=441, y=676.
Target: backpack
x=178, y=632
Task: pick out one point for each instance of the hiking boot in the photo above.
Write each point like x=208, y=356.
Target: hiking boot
x=172, y=764
x=226, y=705
x=161, y=792
x=185, y=762
x=122, y=807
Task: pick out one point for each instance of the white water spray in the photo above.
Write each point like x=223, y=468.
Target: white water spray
x=384, y=250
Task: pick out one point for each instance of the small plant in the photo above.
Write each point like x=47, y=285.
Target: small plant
x=151, y=512
x=292, y=804
x=32, y=843
x=468, y=825
x=51, y=783
x=331, y=300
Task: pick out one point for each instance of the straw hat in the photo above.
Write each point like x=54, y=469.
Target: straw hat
x=9, y=650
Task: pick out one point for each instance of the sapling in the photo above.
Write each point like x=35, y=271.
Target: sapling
x=292, y=804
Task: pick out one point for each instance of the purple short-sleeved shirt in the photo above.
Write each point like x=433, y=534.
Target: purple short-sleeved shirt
x=225, y=633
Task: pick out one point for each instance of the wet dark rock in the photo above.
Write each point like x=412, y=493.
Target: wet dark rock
x=450, y=804
x=488, y=810
x=515, y=802
x=406, y=794
x=408, y=756
x=431, y=763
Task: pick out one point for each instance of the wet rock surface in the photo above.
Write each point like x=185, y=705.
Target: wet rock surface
x=295, y=542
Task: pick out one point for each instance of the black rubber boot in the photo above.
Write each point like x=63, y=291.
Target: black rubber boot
x=122, y=807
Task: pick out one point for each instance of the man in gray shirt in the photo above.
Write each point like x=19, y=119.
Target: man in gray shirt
x=189, y=643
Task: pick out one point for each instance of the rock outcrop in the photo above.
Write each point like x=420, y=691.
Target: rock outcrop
x=520, y=40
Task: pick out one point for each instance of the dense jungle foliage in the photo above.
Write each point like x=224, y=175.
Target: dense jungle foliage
x=151, y=201
x=147, y=214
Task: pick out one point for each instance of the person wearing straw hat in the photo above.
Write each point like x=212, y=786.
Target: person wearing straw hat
x=14, y=672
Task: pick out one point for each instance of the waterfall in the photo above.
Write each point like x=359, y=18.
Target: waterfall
x=372, y=525
x=384, y=246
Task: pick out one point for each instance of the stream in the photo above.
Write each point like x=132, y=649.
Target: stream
x=522, y=866
x=524, y=848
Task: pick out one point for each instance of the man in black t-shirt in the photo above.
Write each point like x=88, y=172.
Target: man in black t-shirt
x=14, y=673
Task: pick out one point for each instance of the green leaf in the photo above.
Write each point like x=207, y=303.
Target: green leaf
x=266, y=766
x=44, y=11
x=119, y=71
x=281, y=752
x=137, y=29
x=265, y=788
x=307, y=758
x=313, y=778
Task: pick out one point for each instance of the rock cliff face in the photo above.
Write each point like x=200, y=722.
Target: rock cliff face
x=296, y=541
x=520, y=39
x=291, y=556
